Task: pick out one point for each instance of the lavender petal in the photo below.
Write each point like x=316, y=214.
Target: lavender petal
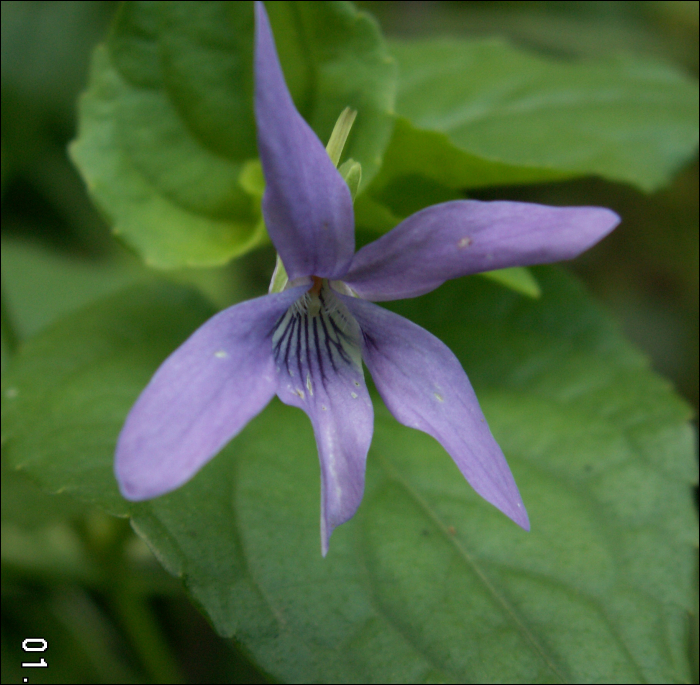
x=201, y=396
x=316, y=347
x=423, y=385
x=307, y=205
x=467, y=237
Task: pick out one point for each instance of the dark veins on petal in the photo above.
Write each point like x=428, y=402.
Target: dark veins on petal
x=314, y=331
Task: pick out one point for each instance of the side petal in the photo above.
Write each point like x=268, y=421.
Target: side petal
x=319, y=366
x=202, y=395
x=467, y=237
x=307, y=205
x=423, y=385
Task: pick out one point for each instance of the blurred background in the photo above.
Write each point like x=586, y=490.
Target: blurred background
x=55, y=551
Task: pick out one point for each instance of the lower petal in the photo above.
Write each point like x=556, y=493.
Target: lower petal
x=200, y=397
x=423, y=385
x=319, y=370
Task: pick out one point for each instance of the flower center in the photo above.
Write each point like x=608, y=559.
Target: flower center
x=317, y=338
x=315, y=289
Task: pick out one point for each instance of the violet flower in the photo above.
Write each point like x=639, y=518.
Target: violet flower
x=306, y=344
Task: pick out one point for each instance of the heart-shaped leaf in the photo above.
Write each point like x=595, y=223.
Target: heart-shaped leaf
x=428, y=582
x=167, y=126
x=497, y=115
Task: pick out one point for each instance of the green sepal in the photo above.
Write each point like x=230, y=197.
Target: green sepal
x=279, y=277
x=340, y=134
x=351, y=171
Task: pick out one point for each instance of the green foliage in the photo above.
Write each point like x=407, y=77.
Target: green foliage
x=166, y=141
x=428, y=582
x=516, y=278
x=497, y=115
x=82, y=358
x=167, y=127
x=42, y=285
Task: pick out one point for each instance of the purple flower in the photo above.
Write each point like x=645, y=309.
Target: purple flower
x=306, y=344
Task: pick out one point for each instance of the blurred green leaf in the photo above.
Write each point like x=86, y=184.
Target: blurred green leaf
x=336, y=57
x=91, y=364
x=430, y=161
x=518, y=278
x=26, y=506
x=59, y=38
x=51, y=553
x=41, y=286
x=695, y=631
x=83, y=644
x=428, y=582
x=167, y=132
x=479, y=113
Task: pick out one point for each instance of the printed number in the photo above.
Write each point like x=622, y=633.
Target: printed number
x=35, y=644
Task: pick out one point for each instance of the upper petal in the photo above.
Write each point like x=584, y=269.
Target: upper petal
x=202, y=395
x=316, y=347
x=423, y=385
x=467, y=237
x=307, y=205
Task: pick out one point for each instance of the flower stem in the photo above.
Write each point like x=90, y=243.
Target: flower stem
x=145, y=636
x=106, y=539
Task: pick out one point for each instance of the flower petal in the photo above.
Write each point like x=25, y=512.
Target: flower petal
x=316, y=347
x=423, y=385
x=307, y=205
x=201, y=396
x=467, y=237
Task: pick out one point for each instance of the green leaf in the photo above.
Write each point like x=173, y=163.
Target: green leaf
x=171, y=200
x=428, y=582
x=167, y=133
x=480, y=113
x=351, y=171
x=97, y=359
x=27, y=507
x=336, y=57
x=518, y=278
x=41, y=286
x=429, y=161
